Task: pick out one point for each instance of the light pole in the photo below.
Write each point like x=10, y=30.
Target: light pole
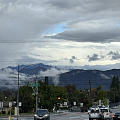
x=35, y=90
x=36, y=93
x=90, y=88
x=18, y=96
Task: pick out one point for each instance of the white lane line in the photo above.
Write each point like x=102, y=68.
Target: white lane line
x=78, y=117
x=75, y=117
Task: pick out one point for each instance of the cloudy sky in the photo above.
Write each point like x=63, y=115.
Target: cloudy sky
x=60, y=32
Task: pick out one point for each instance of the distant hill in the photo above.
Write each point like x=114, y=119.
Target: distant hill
x=78, y=77
x=32, y=68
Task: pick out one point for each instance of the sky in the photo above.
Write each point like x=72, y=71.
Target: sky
x=82, y=33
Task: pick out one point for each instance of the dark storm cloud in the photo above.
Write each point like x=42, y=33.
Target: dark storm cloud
x=72, y=59
x=89, y=36
x=96, y=21
x=114, y=55
x=94, y=57
x=87, y=20
x=65, y=4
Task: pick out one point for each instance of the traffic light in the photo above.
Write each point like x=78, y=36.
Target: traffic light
x=46, y=80
x=59, y=98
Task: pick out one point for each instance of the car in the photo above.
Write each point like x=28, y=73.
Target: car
x=107, y=114
x=95, y=114
x=116, y=116
x=42, y=114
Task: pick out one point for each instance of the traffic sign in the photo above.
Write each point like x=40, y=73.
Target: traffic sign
x=34, y=84
x=74, y=103
x=10, y=104
x=1, y=104
x=65, y=103
x=81, y=104
x=20, y=104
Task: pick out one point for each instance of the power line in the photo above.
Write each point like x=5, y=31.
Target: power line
x=23, y=41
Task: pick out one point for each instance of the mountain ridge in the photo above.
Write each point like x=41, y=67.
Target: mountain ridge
x=78, y=77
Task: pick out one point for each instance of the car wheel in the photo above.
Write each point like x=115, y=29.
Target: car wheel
x=48, y=118
x=35, y=118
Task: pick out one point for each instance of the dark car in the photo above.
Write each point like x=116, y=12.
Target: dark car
x=116, y=116
x=42, y=114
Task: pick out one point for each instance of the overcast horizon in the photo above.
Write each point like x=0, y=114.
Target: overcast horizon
x=83, y=33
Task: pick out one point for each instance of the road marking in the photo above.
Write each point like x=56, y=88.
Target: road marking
x=75, y=117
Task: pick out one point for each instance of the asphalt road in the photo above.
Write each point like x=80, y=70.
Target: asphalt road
x=60, y=116
x=63, y=116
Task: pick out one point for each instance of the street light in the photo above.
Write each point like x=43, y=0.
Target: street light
x=18, y=96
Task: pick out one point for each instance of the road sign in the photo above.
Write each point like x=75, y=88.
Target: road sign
x=81, y=104
x=1, y=104
x=100, y=102
x=10, y=104
x=34, y=84
x=108, y=101
x=65, y=103
x=20, y=104
x=74, y=103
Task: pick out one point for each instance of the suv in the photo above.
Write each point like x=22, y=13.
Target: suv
x=95, y=114
x=42, y=114
x=106, y=113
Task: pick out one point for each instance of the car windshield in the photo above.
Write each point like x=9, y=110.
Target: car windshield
x=42, y=112
x=117, y=113
x=94, y=111
x=104, y=110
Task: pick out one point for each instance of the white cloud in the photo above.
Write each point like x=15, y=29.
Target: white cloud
x=86, y=21
x=54, y=73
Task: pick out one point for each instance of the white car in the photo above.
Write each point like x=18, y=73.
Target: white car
x=95, y=114
x=107, y=114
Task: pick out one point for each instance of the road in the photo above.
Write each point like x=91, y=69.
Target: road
x=64, y=116
x=60, y=116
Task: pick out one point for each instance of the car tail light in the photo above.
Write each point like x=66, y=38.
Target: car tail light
x=113, y=115
x=100, y=113
x=107, y=113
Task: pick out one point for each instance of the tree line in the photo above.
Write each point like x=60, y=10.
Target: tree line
x=48, y=95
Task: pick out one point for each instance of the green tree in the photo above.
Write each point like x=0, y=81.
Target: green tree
x=115, y=90
x=27, y=99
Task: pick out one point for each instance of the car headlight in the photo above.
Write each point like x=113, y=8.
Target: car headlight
x=46, y=115
x=35, y=115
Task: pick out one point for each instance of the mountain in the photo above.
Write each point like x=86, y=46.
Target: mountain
x=31, y=69
x=58, y=76
x=80, y=78
x=9, y=75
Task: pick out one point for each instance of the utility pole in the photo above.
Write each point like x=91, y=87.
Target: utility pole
x=18, y=96
x=36, y=93
x=90, y=87
x=114, y=95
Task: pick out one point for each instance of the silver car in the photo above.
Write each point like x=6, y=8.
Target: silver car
x=95, y=114
x=107, y=114
x=42, y=114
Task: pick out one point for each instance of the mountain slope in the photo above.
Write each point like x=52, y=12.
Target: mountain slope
x=80, y=78
x=31, y=69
